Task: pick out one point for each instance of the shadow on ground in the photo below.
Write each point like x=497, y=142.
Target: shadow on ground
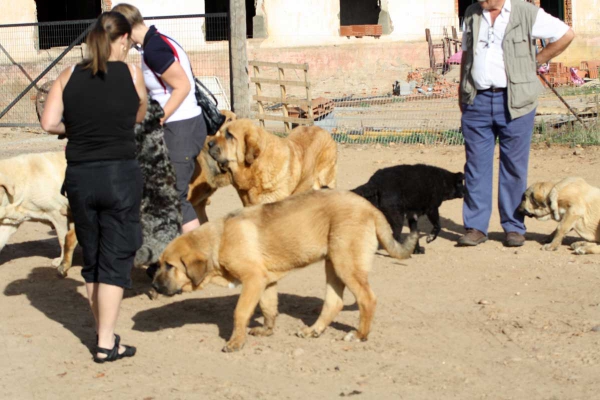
x=219, y=311
x=58, y=299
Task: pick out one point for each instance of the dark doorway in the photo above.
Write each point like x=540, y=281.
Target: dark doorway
x=555, y=8
x=64, y=10
x=216, y=27
x=359, y=12
x=462, y=8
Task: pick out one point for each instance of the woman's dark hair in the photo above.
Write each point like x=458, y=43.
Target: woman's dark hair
x=109, y=27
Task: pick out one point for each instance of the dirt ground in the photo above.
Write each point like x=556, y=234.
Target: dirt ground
x=455, y=323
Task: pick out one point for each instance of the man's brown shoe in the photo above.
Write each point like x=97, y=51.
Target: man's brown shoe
x=514, y=239
x=473, y=237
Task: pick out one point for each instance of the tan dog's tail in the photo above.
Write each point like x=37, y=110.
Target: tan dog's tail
x=385, y=235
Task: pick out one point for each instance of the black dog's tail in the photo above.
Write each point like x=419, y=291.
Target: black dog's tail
x=368, y=192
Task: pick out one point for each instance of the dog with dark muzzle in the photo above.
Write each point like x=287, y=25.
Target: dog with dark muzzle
x=574, y=204
x=410, y=191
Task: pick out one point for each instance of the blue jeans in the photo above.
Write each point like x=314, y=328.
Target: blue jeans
x=482, y=122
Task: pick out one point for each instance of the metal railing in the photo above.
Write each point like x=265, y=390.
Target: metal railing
x=33, y=54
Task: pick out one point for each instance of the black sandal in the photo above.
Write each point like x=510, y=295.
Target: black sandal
x=113, y=354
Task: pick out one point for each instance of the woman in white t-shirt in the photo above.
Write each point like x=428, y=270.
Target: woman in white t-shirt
x=168, y=76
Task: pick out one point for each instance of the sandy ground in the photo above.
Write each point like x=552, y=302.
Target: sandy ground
x=455, y=323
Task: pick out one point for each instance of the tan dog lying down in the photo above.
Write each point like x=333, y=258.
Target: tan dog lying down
x=266, y=168
x=30, y=191
x=574, y=204
x=259, y=245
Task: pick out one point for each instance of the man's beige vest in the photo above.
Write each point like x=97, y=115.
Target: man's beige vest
x=519, y=57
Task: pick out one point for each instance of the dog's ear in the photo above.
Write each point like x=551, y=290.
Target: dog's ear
x=7, y=184
x=196, y=267
x=553, y=199
x=252, y=146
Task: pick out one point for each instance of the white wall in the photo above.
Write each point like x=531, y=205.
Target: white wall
x=301, y=22
x=187, y=32
x=314, y=22
x=411, y=17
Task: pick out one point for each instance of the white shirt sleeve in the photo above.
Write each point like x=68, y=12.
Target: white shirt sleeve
x=548, y=27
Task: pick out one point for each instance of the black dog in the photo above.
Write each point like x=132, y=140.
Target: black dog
x=411, y=191
x=161, y=209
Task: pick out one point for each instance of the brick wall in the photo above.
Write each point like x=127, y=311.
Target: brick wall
x=569, y=12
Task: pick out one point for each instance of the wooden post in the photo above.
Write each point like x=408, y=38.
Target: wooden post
x=261, y=108
x=311, y=116
x=288, y=125
x=239, y=58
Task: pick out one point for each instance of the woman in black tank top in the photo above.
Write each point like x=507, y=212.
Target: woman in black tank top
x=96, y=104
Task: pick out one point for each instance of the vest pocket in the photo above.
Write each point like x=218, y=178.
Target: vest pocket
x=522, y=48
x=523, y=91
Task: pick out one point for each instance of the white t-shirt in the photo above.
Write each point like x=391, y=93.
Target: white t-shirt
x=159, y=53
x=488, y=62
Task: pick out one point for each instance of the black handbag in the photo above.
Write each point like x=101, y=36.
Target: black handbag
x=212, y=116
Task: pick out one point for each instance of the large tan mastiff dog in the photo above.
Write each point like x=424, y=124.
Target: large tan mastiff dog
x=208, y=177
x=259, y=245
x=265, y=168
x=574, y=204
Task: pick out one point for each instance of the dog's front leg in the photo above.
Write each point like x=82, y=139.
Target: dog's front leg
x=268, y=306
x=550, y=237
x=564, y=227
x=434, y=218
x=70, y=244
x=252, y=290
x=6, y=231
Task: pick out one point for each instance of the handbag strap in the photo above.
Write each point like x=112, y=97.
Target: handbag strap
x=199, y=82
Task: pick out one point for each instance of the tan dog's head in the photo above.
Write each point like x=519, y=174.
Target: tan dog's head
x=538, y=201
x=186, y=263
x=237, y=146
x=229, y=116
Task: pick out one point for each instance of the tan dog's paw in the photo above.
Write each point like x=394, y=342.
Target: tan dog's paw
x=233, y=345
x=308, y=332
x=580, y=251
x=56, y=262
x=260, y=331
x=579, y=244
x=549, y=247
x=354, y=337
x=61, y=271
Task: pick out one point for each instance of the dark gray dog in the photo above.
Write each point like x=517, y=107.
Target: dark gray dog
x=161, y=209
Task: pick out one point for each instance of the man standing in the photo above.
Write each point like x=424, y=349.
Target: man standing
x=498, y=96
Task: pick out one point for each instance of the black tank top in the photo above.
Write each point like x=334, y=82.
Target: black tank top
x=99, y=114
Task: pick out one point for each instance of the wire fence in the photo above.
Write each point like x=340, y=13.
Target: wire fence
x=382, y=90
x=33, y=55
x=407, y=92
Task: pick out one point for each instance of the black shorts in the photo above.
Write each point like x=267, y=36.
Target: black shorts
x=105, y=198
x=184, y=140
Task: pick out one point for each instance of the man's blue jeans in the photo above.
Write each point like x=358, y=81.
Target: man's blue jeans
x=482, y=122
